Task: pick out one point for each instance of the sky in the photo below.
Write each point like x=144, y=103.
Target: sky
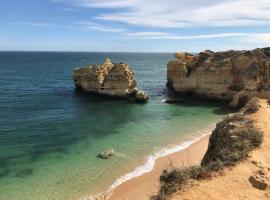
x=133, y=25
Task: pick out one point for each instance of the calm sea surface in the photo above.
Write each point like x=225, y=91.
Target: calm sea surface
x=50, y=135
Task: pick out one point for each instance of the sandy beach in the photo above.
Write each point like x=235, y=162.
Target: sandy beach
x=144, y=186
x=235, y=180
x=135, y=100
x=235, y=184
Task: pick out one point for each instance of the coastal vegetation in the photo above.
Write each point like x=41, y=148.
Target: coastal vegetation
x=230, y=143
x=176, y=179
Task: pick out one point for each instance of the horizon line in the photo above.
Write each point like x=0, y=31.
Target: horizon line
x=70, y=51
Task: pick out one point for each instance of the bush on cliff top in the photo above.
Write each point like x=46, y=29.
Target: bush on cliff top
x=266, y=51
x=230, y=142
x=176, y=179
x=252, y=106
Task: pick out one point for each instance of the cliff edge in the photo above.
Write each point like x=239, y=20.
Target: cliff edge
x=108, y=79
x=235, y=76
x=249, y=178
x=235, y=166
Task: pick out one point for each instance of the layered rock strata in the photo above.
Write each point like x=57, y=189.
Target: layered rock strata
x=108, y=79
x=236, y=76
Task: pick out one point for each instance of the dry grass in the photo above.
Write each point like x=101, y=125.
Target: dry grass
x=230, y=142
x=176, y=179
x=252, y=106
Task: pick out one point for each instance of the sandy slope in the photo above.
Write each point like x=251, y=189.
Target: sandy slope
x=234, y=185
x=142, y=187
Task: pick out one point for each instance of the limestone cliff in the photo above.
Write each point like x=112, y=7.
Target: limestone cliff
x=232, y=75
x=108, y=79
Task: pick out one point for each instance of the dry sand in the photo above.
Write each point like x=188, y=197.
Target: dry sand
x=235, y=185
x=142, y=187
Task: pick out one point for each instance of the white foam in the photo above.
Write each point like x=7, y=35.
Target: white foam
x=121, y=155
x=151, y=160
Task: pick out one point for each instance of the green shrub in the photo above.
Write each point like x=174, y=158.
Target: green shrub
x=231, y=142
x=252, y=105
x=176, y=179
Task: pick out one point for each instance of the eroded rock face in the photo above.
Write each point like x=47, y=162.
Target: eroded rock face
x=108, y=79
x=232, y=75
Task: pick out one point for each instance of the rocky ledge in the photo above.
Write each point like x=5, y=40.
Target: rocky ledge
x=235, y=76
x=108, y=79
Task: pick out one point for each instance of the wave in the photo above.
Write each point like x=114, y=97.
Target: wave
x=149, y=165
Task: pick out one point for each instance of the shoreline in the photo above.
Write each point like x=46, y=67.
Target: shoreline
x=147, y=184
x=249, y=178
x=144, y=179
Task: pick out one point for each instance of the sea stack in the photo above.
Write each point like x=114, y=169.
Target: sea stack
x=235, y=76
x=109, y=79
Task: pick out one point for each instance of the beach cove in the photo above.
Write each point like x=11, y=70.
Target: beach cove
x=52, y=135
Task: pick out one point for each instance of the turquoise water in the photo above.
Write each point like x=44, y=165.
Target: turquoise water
x=50, y=135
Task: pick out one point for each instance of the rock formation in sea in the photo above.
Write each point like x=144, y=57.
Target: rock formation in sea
x=109, y=79
x=235, y=76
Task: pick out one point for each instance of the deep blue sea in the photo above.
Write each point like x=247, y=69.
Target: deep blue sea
x=50, y=135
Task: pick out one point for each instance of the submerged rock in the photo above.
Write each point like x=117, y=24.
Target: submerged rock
x=108, y=79
x=25, y=172
x=4, y=172
x=106, y=154
x=235, y=76
x=173, y=101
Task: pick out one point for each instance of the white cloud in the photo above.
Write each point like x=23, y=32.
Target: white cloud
x=35, y=24
x=100, y=27
x=258, y=39
x=182, y=13
x=168, y=36
x=242, y=39
x=107, y=3
x=149, y=34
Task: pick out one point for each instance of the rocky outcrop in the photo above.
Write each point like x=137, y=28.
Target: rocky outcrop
x=260, y=179
x=232, y=140
x=236, y=76
x=108, y=79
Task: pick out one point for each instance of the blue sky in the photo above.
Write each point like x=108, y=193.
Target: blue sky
x=134, y=25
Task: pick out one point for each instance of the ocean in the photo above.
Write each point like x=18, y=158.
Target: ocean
x=50, y=135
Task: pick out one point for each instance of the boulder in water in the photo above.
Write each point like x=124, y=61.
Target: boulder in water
x=141, y=96
x=106, y=154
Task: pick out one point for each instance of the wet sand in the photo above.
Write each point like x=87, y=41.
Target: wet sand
x=142, y=187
